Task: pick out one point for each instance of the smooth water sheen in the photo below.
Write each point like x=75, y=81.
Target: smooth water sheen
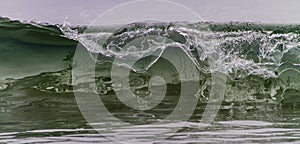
x=261, y=105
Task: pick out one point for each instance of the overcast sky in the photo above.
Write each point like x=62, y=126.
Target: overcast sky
x=84, y=11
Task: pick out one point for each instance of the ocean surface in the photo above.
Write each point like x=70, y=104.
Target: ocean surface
x=39, y=78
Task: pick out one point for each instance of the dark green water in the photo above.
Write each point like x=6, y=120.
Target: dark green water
x=261, y=104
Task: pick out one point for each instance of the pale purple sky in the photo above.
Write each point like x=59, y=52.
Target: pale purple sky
x=84, y=11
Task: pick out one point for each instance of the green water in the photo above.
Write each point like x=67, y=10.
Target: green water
x=29, y=115
x=261, y=103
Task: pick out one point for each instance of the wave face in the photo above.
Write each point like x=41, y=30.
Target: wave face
x=260, y=61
